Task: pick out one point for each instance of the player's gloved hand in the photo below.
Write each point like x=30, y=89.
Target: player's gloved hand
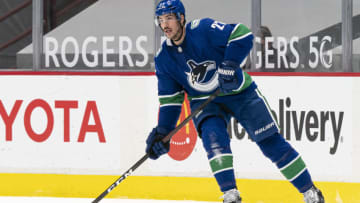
x=230, y=76
x=154, y=146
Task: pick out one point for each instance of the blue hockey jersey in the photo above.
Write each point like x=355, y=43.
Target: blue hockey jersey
x=192, y=66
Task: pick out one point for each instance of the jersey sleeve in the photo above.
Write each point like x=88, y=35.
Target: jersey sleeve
x=239, y=44
x=236, y=39
x=171, y=96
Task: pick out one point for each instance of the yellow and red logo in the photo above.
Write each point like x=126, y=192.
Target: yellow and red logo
x=183, y=142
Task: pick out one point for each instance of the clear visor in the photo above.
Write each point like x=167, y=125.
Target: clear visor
x=165, y=18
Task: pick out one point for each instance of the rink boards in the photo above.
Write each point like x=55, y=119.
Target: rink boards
x=72, y=135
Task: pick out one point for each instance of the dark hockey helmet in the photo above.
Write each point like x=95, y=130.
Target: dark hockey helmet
x=170, y=6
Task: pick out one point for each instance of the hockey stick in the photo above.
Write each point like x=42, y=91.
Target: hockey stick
x=165, y=139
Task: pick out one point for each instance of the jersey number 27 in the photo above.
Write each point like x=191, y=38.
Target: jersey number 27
x=217, y=24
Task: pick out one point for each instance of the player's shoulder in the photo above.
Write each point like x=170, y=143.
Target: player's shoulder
x=200, y=24
x=162, y=52
x=162, y=56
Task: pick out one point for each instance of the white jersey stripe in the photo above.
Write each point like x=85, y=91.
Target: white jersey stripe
x=175, y=104
x=241, y=37
x=171, y=95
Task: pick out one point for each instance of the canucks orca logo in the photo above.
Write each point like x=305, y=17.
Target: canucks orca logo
x=202, y=76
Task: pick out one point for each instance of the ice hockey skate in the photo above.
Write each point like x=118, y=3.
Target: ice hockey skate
x=313, y=195
x=232, y=196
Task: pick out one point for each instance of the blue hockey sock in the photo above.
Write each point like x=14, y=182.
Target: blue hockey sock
x=216, y=142
x=290, y=163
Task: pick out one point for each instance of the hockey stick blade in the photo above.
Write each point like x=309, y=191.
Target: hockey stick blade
x=165, y=139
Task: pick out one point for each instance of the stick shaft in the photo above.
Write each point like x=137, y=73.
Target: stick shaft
x=146, y=156
x=121, y=178
x=192, y=115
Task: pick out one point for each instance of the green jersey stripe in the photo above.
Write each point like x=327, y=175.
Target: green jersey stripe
x=221, y=162
x=175, y=99
x=239, y=31
x=294, y=168
x=239, y=38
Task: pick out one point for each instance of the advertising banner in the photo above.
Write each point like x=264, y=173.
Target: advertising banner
x=74, y=124
x=99, y=124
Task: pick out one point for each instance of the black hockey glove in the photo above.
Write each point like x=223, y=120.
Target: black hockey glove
x=154, y=146
x=231, y=76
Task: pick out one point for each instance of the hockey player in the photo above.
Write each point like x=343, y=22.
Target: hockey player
x=198, y=58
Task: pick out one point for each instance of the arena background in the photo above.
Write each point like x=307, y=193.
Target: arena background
x=73, y=123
